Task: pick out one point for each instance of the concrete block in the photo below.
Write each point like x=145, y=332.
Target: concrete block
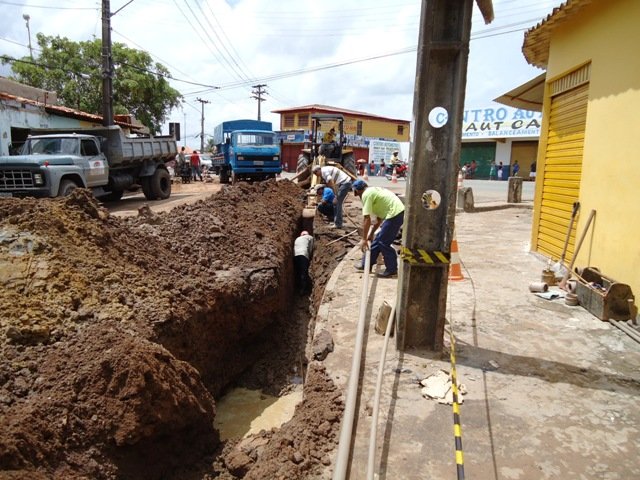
x=514, y=192
x=465, y=199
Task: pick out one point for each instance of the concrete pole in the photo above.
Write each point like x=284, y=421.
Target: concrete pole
x=443, y=50
x=107, y=70
x=202, y=102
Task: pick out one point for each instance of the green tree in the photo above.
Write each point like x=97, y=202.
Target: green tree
x=74, y=71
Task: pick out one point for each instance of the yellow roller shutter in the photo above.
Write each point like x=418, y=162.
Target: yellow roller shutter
x=562, y=170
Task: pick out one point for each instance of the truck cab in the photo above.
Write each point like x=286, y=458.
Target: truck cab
x=51, y=165
x=247, y=150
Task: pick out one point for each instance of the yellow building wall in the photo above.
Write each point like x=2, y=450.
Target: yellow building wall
x=606, y=34
x=370, y=127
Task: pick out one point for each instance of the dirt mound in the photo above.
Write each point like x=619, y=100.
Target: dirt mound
x=117, y=332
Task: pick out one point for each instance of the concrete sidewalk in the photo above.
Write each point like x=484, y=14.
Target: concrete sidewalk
x=552, y=392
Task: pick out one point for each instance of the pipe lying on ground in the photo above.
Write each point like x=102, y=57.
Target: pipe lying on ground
x=626, y=329
x=344, y=445
x=376, y=399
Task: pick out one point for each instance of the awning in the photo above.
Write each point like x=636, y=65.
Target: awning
x=527, y=96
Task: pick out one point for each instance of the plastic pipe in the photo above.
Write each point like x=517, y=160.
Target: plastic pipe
x=376, y=399
x=344, y=445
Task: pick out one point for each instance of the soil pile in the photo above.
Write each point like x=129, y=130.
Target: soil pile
x=116, y=333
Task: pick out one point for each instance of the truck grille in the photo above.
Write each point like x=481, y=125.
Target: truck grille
x=16, y=179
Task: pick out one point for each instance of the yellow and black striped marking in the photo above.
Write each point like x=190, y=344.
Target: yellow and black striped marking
x=457, y=428
x=418, y=256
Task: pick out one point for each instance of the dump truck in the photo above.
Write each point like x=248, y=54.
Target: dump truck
x=246, y=150
x=53, y=162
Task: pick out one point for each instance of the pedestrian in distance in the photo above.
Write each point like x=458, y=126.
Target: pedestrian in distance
x=516, y=168
x=389, y=212
x=302, y=253
x=195, y=165
x=492, y=171
x=324, y=198
x=381, y=172
x=340, y=183
x=372, y=168
x=500, y=171
x=182, y=161
x=532, y=171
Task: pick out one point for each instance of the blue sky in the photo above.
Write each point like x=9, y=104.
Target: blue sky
x=354, y=55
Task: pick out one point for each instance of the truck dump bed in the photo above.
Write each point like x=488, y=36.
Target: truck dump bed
x=122, y=150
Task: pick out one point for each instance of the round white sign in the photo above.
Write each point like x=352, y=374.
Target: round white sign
x=438, y=117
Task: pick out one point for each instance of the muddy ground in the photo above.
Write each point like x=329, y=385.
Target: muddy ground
x=118, y=334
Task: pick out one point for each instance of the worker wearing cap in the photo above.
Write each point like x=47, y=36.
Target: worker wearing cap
x=394, y=160
x=389, y=212
x=325, y=198
x=340, y=183
x=302, y=252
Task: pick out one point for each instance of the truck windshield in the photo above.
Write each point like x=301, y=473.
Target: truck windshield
x=254, y=139
x=50, y=146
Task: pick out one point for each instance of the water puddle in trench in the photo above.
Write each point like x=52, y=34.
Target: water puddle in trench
x=243, y=412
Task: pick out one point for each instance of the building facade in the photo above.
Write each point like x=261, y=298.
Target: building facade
x=590, y=121
x=23, y=108
x=358, y=126
x=500, y=134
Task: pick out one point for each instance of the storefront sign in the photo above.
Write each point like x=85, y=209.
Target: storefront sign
x=382, y=150
x=500, y=122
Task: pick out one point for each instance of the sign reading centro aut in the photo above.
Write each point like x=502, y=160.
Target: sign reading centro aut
x=500, y=122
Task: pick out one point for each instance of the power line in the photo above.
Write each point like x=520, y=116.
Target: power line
x=16, y=4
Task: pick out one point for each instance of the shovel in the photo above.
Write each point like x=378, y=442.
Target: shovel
x=559, y=268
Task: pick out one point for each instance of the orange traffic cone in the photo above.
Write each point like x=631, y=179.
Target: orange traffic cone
x=455, y=271
x=394, y=176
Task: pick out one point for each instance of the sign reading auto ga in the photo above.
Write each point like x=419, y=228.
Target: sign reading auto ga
x=500, y=122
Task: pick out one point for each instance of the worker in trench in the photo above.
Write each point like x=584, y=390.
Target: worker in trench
x=302, y=254
x=324, y=199
x=389, y=212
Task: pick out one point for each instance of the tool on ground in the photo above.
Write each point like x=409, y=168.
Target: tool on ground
x=342, y=237
x=559, y=268
x=563, y=282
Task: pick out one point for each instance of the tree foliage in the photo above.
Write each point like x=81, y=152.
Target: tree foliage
x=74, y=71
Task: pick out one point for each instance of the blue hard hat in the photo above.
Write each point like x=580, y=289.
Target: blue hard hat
x=359, y=185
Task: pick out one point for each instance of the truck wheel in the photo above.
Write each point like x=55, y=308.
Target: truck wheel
x=66, y=187
x=303, y=162
x=349, y=164
x=145, y=183
x=161, y=184
x=234, y=178
x=224, y=175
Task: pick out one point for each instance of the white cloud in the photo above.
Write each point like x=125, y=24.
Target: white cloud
x=225, y=43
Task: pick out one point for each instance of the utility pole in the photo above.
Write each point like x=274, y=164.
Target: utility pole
x=107, y=71
x=257, y=92
x=443, y=51
x=26, y=18
x=202, y=102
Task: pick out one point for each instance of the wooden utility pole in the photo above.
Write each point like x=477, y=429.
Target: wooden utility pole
x=258, y=91
x=107, y=70
x=202, y=102
x=443, y=50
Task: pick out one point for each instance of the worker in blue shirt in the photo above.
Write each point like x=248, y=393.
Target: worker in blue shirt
x=324, y=197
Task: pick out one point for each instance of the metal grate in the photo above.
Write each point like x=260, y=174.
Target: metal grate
x=572, y=80
x=16, y=179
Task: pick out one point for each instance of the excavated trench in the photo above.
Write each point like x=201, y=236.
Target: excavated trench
x=119, y=334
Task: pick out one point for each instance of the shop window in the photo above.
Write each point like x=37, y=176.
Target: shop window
x=400, y=129
x=359, y=128
x=303, y=120
x=289, y=121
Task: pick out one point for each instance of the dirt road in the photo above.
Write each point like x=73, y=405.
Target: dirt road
x=180, y=194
